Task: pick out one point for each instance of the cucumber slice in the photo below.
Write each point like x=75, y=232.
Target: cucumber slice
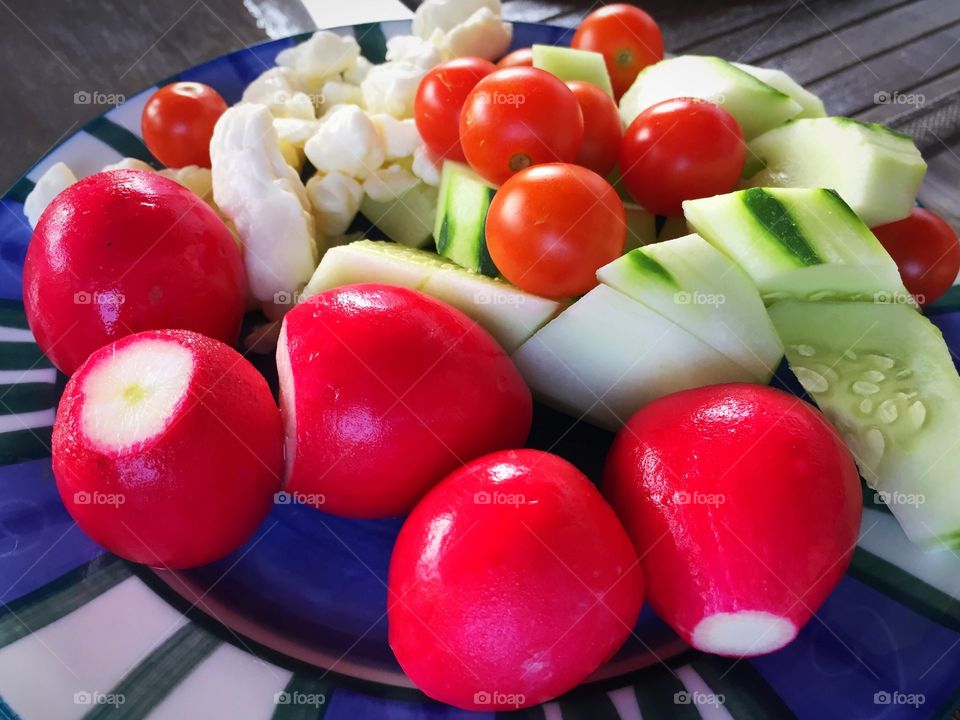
x=570, y=64
x=607, y=355
x=463, y=203
x=876, y=170
x=641, y=226
x=811, y=106
x=884, y=377
x=407, y=220
x=799, y=243
x=692, y=283
x=506, y=312
x=758, y=107
x=374, y=261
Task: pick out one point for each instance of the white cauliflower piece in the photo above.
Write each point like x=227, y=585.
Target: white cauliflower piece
x=263, y=196
x=336, y=201
x=54, y=181
x=400, y=137
x=391, y=88
x=335, y=92
x=295, y=131
x=197, y=179
x=348, y=142
x=389, y=183
x=322, y=57
x=128, y=163
x=414, y=50
x=426, y=167
x=483, y=34
x=358, y=71
x=444, y=15
x=279, y=89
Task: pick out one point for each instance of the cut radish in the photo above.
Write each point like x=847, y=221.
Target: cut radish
x=746, y=632
x=167, y=448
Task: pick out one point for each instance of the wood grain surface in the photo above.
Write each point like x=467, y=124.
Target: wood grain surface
x=892, y=61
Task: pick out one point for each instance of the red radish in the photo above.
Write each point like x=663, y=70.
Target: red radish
x=384, y=391
x=124, y=251
x=744, y=506
x=168, y=448
x=510, y=583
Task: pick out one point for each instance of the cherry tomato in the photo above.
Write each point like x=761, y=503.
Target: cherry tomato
x=626, y=36
x=926, y=250
x=678, y=150
x=439, y=100
x=518, y=117
x=509, y=583
x=518, y=58
x=178, y=121
x=602, y=127
x=551, y=227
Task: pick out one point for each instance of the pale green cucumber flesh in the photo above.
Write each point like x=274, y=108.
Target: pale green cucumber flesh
x=570, y=64
x=409, y=219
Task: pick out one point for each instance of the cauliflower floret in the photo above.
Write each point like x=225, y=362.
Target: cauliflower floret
x=320, y=58
x=400, y=137
x=335, y=92
x=128, y=163
x=391, y=88
x=348, y=141
x=355, y=74
x=425, y=166
x=444, y=15
x=279, y=89
x=54, y=181
x=294, y=131
x=389, y=183
x=263, y=196
x=414, y=50
x=483, y=34
x=336, y=201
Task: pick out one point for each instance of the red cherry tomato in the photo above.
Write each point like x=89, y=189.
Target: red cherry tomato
x=198, y=475
x=178, y=121
x=369, y=407
x=518, y=58
x=510, y=583
x=926, y=251
x=439, y=100
x=678, y=150
x=602, y=127
x=551, y=227
x=518, y=117
x=143, y=253
x=626, y=36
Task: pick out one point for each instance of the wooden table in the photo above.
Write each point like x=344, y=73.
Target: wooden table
x=893, y=61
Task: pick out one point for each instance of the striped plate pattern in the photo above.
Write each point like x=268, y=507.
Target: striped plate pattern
x=84, y=634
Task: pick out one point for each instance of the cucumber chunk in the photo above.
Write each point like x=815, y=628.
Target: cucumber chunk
x=811, y=106
x=506, y=312
x=758, y=107
x=689, y=281
x=571, y=64
x=464, y=199
x=407, y=220
x=799, y=243
x=607, y=355
x=876, y=170
x=884, y=377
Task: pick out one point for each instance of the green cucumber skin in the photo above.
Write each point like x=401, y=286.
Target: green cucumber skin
x=465, y=243
x=775, y=218
x=650, y=266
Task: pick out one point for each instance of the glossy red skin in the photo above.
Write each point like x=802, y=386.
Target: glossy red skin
x=522, y=57
x=602, y=128
x=681, y=149
x=551, y=227
x=783, y=536
x=439, y=100
x=197, y=490
x=353, y=352
x=177, y=123
x=135, y=235
x=926, y=251
x=517, y=117
x=627, y=37
x=477, y=591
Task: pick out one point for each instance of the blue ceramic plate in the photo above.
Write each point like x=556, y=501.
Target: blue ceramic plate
x=293, y=625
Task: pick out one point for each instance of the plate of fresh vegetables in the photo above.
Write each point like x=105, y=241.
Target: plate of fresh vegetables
x=463, y=367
